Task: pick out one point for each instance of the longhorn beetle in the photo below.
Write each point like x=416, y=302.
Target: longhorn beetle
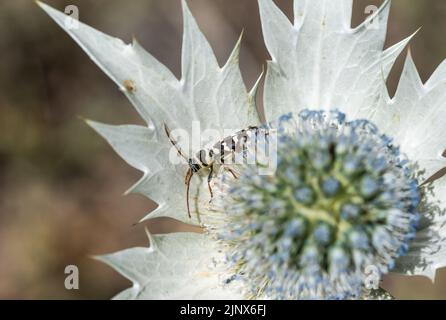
x=207, y=161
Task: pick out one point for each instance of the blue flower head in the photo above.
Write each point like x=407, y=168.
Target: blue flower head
x=342, y=199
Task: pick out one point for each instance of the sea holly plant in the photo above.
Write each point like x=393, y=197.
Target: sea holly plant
x=358, y=183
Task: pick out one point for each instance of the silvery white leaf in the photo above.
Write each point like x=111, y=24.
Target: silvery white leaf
x=213, y=97
x=320, y=62
x=134, y=145
x=415, y=119
x=175, y=266
x=427, y=251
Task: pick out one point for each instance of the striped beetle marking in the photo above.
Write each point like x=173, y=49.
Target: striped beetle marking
x=207, y=162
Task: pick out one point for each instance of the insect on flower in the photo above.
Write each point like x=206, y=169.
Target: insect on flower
x=209, y=162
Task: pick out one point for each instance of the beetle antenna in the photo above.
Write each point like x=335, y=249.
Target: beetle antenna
x=174, y=143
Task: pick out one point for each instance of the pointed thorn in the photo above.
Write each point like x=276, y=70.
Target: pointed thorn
x=40, y=3
x=147, y=217
x=242, y=34
x=254, y=89
x=152, y=242
x=95, y=257
x=82, y=118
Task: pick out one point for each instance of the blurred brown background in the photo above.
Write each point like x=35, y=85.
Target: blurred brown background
x=60, y=183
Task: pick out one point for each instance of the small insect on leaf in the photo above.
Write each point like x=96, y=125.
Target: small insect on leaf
x=129, y=85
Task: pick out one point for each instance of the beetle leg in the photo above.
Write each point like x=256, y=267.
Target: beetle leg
x=211, y=172
x=187, y=180
x=232, y=173
x=439, y=174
